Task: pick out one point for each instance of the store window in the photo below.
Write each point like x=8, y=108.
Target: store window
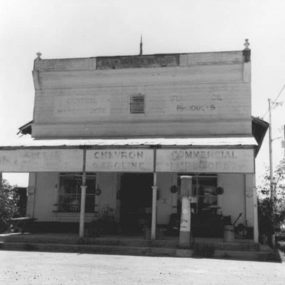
x=70, y=192
x=204, y=188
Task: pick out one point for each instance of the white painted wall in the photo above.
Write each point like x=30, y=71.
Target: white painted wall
x=45, y=195
x=232, y=201
x=236, y=198
x=205, y=94
x=43, y=188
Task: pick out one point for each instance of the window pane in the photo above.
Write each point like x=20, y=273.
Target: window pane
x=137, y=104
x=70, y=192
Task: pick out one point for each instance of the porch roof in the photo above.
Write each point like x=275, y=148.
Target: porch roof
x=28, y=142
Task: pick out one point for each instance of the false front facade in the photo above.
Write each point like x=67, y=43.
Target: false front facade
x=124, y=139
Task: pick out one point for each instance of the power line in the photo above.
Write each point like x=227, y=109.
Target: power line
x=274, y=101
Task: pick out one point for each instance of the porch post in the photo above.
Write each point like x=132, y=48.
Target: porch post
x=154, y=198
x=83, y=196
x=255, y=215
x=244, y=197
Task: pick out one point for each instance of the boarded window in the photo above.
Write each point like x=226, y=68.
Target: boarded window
x=137, y=104
x=70, y=192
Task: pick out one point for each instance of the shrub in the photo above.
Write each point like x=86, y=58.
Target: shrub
x=8, y=204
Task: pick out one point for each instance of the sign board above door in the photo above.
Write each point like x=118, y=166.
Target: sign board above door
x=120, y=160
x=205, y=160
x=198, y=160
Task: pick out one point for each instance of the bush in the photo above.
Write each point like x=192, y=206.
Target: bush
x=8, y=205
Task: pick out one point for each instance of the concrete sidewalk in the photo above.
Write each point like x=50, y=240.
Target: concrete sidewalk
x=125, y=245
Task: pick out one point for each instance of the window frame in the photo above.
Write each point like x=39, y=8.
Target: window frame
x=137, y=104
x=70, y=202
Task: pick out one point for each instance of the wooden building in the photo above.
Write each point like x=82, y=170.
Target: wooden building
x=112, y=137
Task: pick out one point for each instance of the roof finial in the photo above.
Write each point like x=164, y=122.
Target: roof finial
x=246, y=44
x=39, y=54
x=246, y=52
x=141, y=46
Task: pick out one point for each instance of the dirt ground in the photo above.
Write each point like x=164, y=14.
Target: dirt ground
x=18, y=267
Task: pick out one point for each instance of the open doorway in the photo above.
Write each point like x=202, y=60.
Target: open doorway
x=136, y=201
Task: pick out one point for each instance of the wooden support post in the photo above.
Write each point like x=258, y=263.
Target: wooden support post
x=153, y=215
x=154, y=198
x=255, y=216
x=244, y=198
x=83, y=197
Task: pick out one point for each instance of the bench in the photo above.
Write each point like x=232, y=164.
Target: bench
x=21, y=223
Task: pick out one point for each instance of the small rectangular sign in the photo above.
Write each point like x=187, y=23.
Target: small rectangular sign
x=41, y=160
x=119, y=160
x=205, y=160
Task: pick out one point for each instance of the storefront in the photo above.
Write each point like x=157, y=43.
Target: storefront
x=137, y=182
x=115, y=137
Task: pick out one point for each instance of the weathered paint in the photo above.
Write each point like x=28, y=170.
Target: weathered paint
x=138, y=129
x=129, y=160
x=40, y=160
x=206, y=160
x=146, y=61
x=45, y=194
x=120, y=160
x=205, y=94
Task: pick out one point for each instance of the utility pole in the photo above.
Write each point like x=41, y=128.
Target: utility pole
x=283, y=143
x=271, y=174
x=270, y=154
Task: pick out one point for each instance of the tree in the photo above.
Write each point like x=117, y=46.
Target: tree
x=272, y=212
x=8, y=204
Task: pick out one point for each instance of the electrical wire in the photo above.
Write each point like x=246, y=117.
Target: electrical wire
x=274, y=101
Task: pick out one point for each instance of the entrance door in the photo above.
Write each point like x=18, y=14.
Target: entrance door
x=136, y=201
x=206, y=218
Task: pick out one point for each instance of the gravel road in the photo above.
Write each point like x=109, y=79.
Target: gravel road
x=18, y=267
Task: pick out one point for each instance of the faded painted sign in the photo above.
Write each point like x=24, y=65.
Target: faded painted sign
x=41, y=160
x=184, y=105
x=205, y=160
x=119, y=160
x=81, y=106
x=119, y=62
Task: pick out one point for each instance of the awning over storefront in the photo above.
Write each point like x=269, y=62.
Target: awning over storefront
x=198, y=155
x=203, y=141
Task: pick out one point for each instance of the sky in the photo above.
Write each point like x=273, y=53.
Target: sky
x=89, y=28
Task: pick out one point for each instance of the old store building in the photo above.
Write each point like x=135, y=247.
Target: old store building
x=119, y=132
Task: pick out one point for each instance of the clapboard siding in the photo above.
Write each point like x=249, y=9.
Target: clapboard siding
x=136, y=129
x=65, y=64
x=166, y=102
x=140, y=76
x=208, y=95
x=185, y=59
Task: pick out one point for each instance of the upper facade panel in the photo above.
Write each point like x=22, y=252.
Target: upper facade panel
x=164, y=95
